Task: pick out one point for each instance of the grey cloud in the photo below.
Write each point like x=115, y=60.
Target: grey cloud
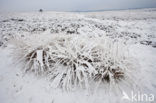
x=73, y=5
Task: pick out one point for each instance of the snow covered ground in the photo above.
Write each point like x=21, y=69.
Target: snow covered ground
x=136, y=28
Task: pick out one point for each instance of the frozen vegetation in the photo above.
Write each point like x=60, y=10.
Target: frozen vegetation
x=91, y=57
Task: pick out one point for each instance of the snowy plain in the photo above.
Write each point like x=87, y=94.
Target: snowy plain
x=137, y=28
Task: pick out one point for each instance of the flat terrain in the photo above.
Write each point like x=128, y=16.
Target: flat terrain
x=136, y=28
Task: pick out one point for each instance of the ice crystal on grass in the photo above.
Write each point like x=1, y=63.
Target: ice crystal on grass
x=72, y=61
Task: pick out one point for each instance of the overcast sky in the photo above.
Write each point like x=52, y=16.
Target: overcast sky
x=74, y=5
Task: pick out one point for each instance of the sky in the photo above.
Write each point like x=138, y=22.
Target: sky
x=73, y=5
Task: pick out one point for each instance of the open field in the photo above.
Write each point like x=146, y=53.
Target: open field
x=127, y=38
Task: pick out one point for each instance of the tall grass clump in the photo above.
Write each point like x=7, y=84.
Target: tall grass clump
x=72, y=61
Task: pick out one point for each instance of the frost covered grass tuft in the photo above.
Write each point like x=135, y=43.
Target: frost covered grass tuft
x=72, y=61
